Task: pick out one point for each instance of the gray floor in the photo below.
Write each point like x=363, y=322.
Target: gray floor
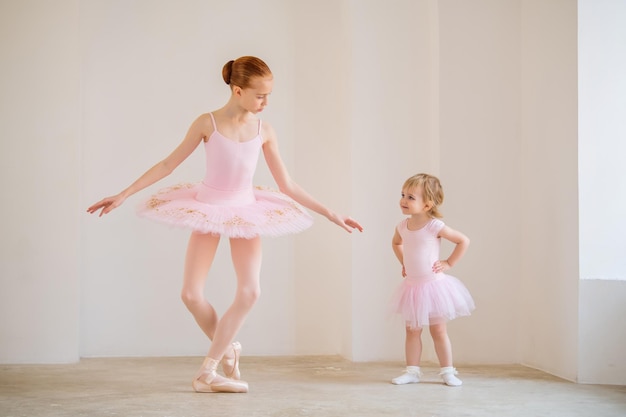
x=293, y=386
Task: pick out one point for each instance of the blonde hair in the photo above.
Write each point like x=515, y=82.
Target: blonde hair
x=432, y=192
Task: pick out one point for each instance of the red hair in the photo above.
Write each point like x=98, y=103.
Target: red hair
x=241, y=71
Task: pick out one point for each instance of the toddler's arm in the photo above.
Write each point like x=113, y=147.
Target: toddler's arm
x=398, y=249
x=460, y=240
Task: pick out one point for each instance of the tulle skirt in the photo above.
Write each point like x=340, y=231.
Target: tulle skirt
x=422, y=302
x=261, y=212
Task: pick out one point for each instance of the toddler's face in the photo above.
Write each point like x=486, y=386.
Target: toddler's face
x=412, y=202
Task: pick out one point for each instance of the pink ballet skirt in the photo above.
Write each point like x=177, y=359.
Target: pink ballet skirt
x=422, y=302
x=424, y=297
x=225, y=202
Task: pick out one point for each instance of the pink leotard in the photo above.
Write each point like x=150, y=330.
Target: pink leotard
x=226, y=202
x=425, y=297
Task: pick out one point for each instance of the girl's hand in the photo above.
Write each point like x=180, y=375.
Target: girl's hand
x=347, y=223
x=441, y=266
x=107, y=204
x=403, y=272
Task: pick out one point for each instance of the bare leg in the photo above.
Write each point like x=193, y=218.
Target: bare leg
x=200, y=254
x=413, y=346
x=443, y=348
x=413, y=353
x=246, y=255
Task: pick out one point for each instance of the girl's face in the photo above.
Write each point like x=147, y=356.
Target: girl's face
x=254, y=98
x=412, y=202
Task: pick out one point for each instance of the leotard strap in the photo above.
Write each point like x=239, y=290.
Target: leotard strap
x=213, y=120
x=215, y=125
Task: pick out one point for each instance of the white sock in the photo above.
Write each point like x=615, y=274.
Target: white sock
x=448, y=374
x=411, y=375
x=413, y=370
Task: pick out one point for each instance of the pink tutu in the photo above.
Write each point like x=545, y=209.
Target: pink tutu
x=422, y=302
x=263, y=212
x=225, y=203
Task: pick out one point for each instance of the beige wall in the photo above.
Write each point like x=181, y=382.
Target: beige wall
x=480, y=140
x=39, y=172
x=322, y=166
x=393, y=135
x=549, y=187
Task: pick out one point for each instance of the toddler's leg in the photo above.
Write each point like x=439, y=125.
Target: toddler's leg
x=413, y=346
x=413, y=353
x=443, y=348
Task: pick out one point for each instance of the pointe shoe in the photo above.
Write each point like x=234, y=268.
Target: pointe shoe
x=230, y=366
x=208, y=380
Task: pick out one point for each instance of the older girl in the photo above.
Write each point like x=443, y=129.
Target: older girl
x=226, y=204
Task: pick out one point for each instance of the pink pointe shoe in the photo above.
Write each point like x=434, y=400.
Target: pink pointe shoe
x=230, y=366
x=208, y=380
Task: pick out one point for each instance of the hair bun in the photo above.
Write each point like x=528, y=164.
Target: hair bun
x=241, y=71
x=227, y=71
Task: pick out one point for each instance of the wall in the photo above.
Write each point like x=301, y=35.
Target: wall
x=480, y=167
x=602, y=199
x=392, y=126
x=601, y=332
x=602, y=89
x=39, y=173
x=549, y=187
x=322, y=167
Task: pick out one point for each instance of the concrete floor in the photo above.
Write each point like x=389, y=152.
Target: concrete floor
x=293, y=386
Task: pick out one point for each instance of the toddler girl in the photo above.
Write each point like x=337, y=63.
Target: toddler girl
x=427, y=296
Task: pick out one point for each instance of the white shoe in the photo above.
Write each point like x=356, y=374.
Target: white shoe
x=410, y=376
x=448, y=374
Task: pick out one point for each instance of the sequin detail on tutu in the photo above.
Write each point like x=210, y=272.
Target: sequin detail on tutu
x=271, y=213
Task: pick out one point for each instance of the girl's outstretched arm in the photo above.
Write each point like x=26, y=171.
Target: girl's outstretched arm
x=200, y=128
x=289, y=187
x=460, y=240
